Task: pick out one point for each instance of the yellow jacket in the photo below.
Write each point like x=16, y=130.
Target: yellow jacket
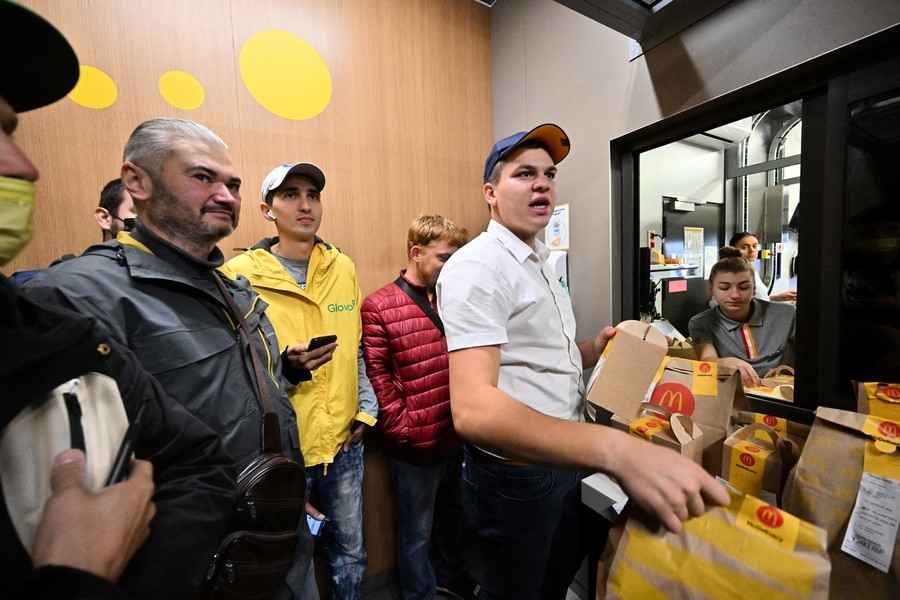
x=327, y=405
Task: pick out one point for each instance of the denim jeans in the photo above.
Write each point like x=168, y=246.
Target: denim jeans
x=530, y=526
x=337, y=493
x=429, y=526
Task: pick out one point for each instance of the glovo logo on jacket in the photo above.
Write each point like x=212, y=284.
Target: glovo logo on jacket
x=674, y=396
x=337, y=307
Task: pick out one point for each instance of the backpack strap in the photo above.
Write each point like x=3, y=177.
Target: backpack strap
x=271, y=430
x=422, y=302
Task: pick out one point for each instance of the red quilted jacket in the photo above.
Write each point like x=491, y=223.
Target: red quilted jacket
x=406, y=360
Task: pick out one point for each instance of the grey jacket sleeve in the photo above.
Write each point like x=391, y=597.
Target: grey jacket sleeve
x=368, y=403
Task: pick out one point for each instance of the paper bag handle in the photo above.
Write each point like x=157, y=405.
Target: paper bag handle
x=780, y=370
x=747, y=431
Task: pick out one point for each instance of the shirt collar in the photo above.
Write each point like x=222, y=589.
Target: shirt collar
x=519, y=249
x=757, y=316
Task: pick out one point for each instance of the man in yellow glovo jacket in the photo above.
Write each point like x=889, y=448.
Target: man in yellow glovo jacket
x=312, y=290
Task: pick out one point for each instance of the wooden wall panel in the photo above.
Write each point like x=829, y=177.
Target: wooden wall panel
x=406, y=131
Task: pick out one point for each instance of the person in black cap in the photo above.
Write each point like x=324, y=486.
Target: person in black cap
x=68, y=394
x=517, y=393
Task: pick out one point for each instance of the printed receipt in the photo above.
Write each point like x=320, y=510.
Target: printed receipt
x=872, y=530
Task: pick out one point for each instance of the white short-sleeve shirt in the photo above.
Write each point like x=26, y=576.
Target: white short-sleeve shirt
x=497, y=290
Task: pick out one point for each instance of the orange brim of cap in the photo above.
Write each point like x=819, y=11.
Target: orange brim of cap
x=553, y=137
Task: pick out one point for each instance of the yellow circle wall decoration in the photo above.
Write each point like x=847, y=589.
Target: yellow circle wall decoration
x=181, y=90
x=95, y=89
x=285, y=75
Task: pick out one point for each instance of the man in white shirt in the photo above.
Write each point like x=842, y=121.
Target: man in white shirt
x=517, y=394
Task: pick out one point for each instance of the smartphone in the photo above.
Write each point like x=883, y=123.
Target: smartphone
x=315, y=525
x=322, y=340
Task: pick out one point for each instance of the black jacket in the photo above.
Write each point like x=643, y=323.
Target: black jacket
x=44, y=347
x=165, y=306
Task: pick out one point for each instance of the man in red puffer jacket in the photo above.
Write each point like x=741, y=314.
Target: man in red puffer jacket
x=406, y=361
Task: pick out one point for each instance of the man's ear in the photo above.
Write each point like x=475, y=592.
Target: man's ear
x=415, y=252
x=137, y=181
x=489, y=194
x=103, y=218
x=266, y=211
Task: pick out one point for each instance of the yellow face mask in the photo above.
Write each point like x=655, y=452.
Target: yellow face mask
x=16, y=205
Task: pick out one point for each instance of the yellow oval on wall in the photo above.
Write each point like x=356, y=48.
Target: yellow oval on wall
x=285, y=75
x=95, y=89
x=181, y=90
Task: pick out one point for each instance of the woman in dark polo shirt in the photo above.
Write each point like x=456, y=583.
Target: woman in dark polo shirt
x=742, y=332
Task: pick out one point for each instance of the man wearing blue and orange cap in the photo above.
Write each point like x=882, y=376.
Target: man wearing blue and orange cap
x=517, y=394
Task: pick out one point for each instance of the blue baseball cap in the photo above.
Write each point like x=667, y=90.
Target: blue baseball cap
x=551, y=135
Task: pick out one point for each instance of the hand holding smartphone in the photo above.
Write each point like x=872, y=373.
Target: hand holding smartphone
x=322, y=340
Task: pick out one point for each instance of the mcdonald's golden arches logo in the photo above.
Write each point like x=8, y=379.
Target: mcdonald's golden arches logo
x=770, y=516
x=889, y=429
x=674, y=396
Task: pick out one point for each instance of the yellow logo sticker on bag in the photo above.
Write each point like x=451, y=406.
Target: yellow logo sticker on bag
x=767, y=520
x=882, y=429
x=748, y=465
x=776, y=423
x=889, y=392
x=646, y=426
x=705, y=379
x=882, y=459
x=884, y=400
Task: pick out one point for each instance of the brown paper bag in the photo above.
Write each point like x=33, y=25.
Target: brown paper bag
x=795, y=432
x=704, y=391
x=757, y=464
x=824, y=486
x=659, y=426
x=879, y=399
x=748, y=549
x=682, y=349
x=635, y=369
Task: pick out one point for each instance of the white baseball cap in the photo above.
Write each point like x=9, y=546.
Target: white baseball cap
x=277, y=176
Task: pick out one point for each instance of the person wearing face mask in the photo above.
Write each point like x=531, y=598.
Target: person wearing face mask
x=115, y=212
x=748, y=244
x=63, y=534
x=742, y=331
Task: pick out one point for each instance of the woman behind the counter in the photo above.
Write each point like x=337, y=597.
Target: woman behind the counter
x=742, y=332
x=748, y=244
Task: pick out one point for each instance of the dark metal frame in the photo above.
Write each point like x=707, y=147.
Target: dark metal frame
x=826, y=85
x=643, y=22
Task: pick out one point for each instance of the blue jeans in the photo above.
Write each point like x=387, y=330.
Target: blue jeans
x=337, y=493
x=429, y=526
x=530, y=526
